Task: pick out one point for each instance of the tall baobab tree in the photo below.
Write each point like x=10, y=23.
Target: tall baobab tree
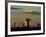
x=27, y=19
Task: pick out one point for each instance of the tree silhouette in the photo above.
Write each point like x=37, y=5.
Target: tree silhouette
x=27, y=19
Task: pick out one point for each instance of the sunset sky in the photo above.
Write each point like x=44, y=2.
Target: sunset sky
x=32, y=8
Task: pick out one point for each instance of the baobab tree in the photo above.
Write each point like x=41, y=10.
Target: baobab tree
x=27, y=19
